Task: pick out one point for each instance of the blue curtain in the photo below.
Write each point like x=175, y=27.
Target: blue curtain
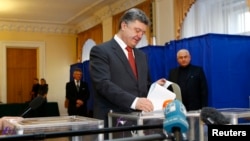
x=86, y=78
x=224, y=58
x=156, y=60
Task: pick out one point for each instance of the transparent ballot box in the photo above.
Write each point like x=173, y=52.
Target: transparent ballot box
x=138, y=118
x=133, y=119
x=22, y=126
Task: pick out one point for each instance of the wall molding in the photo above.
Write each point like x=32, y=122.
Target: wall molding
x=106, y=12
x=36, y=27
x=96, y=18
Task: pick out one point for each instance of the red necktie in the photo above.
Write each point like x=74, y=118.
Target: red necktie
x=131, y=60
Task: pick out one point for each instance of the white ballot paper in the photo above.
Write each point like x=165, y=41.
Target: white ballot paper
x=158, y=94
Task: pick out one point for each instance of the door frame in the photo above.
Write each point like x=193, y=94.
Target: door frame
x=40, y=46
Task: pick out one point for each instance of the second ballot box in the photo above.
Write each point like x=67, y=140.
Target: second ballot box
x=61, y=124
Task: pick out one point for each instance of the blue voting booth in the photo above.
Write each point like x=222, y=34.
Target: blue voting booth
x=224, y=58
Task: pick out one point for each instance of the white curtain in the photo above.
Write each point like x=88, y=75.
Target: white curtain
x=217, y=16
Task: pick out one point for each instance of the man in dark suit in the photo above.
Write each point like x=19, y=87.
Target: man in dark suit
x=35, y=88
x=192, y=82
x=116, y=87
x=43, y=92
x=77, y=94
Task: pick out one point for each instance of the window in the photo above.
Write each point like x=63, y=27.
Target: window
x=217, y=16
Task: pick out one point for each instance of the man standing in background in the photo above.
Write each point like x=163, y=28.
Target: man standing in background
x=43, y=92
x=35, y=88
x=193, y=84
x=77, y=95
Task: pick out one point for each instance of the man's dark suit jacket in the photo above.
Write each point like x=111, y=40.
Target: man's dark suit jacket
x=195, y=93
x=35, y=89
x=72, y=95
x=113, y=80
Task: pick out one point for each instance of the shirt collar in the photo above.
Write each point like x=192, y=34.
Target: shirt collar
x=120, y=42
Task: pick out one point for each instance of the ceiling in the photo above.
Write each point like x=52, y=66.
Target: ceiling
x=68, y=12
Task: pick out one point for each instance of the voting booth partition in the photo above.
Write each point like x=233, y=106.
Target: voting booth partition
x=224, y=58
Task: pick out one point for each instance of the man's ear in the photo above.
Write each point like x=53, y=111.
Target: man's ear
x=123, y=25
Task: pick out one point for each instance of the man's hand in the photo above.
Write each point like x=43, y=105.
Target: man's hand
x=161, y=81
x=144, y=104
x=79, y=103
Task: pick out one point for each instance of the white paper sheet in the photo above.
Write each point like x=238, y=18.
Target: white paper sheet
x=158, y=94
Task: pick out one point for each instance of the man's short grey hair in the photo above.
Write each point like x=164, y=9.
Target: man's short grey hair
x=182, y=50
x=134, y=14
